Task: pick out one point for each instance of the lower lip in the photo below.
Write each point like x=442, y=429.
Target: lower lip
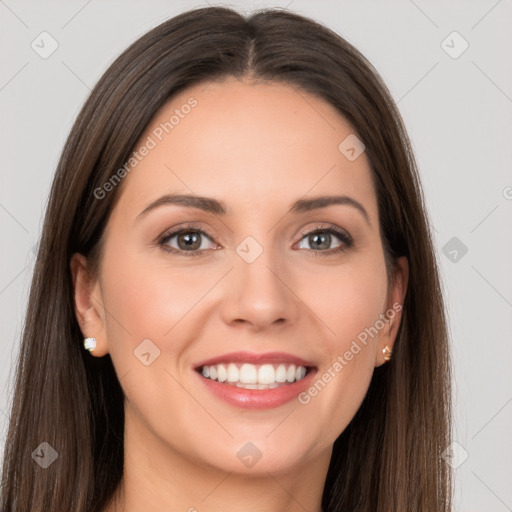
x=257, y=398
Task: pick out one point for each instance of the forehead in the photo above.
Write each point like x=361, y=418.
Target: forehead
x=251, y=145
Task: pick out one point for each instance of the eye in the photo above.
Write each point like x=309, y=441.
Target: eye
x=321, y=238
x=187, y=239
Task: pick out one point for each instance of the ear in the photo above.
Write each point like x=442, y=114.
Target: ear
x=88, y=302
x=393, y=314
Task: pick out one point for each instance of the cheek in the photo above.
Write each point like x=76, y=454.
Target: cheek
x=349, y=303
x=348, y=300
x=148, y=299
x=149, y=302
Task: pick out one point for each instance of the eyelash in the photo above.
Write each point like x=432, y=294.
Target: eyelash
x=346, y=240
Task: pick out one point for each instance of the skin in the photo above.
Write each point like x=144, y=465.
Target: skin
x=258, y=148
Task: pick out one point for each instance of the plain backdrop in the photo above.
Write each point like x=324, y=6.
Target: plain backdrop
x=448, y=66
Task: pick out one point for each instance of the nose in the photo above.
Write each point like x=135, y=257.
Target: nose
x=260, y=294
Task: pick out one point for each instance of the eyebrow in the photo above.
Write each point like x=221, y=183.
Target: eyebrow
x=217, y=207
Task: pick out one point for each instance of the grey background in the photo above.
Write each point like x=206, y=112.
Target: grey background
x=457, y=112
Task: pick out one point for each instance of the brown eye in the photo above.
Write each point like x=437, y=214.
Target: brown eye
x=189, y=240
x=320, y=240
x=186, y=240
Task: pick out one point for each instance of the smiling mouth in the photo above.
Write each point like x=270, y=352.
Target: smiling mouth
x=253, y=376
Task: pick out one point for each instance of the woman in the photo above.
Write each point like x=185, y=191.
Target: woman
x=235, y=303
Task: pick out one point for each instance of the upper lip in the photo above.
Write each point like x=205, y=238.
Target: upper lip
x=256, y=358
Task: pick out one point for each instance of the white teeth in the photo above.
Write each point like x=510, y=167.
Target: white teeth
x=257, y=386
x=246, y=386
x=290, y=374
x=266, y=374
x=233, y=373
x=250, y=376
x=281, y=373
x=222, y=373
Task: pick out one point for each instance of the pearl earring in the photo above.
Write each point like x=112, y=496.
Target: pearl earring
x=90, y=344
x=386, y=352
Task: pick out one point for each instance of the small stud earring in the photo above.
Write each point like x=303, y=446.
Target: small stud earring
x=90, y=344
x=386, y=352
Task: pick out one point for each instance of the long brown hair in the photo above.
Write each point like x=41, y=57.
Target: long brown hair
x=389, y=457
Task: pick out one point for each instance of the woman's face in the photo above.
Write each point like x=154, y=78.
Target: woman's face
x=251, y=276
